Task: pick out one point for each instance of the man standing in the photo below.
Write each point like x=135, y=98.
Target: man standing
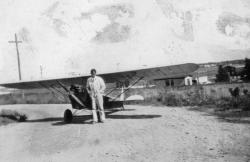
x=95, y=87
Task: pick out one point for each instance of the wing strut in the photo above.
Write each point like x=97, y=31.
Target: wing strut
x=127, y=88
x=63, y=86
x=54, y=91
x=71, y=94
x=52, y=86
x=110, y=92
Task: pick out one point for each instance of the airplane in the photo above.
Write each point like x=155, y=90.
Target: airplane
x=78, y=96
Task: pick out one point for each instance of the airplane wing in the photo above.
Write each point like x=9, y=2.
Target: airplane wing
x=155, y=73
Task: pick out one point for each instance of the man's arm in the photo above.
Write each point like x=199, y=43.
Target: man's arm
x=103, y=86
x=88, y=87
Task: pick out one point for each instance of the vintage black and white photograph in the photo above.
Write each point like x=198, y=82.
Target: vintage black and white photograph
x=125, y=80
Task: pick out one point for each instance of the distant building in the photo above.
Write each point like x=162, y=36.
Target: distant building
x=188, y=80
x=204, y=80
x=205, y=74
x=235, y=72
x=176, y=82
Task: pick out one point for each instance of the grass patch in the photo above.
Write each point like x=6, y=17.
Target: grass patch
x=10, y=116
x=32, y=98
x=178, y=99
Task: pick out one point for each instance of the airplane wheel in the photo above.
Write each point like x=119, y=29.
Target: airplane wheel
x=68, y=116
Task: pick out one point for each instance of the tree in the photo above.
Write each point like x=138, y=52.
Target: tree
x=247, y=69
x=222, y=75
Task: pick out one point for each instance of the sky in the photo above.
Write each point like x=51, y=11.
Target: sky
x=64, y=38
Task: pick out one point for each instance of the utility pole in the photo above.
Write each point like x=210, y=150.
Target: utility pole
x=18, y=57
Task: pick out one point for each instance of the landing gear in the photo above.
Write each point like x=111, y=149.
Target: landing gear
x=68, y=116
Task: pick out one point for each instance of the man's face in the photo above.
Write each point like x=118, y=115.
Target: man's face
x=93, y=74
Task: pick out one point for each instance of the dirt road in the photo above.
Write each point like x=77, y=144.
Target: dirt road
x=140, y=133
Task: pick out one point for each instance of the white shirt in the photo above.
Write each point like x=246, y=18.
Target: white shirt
x=95, y=85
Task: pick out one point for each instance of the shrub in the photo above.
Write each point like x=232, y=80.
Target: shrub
x=244, y=102
x=247, y=70
x=234, y=92
x=174, y=99
x=196, y=99
x=222, y=75
x=225, y=102
x=13, y=115
x=245, y=91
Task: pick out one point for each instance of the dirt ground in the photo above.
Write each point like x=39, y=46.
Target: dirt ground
x=140, y=133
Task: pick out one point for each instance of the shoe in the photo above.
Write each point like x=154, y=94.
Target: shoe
x=94, y=122
x=102, y=121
